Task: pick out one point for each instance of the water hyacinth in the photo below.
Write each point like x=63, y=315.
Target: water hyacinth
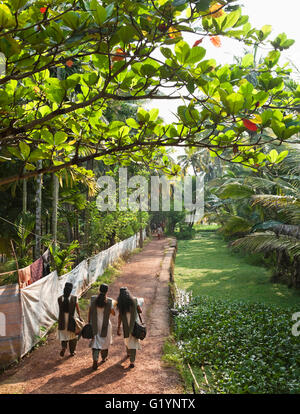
x=248, y=347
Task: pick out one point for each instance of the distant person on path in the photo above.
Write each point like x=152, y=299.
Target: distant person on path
x=101, y=307
x=159, y=232
x=129, y=307
x=66, y=323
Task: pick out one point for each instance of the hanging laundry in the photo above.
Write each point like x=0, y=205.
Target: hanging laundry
x=24, y=276
x=37, y=270
x=46, y=256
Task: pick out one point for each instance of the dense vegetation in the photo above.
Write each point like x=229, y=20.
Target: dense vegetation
x=233, y=324
x=245, y=348
x=259, y=212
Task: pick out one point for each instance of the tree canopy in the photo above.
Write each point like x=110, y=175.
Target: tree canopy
x=68, y=61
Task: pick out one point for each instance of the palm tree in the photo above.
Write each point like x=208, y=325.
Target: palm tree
x=264, y=212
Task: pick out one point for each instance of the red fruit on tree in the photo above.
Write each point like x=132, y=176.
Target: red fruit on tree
x=69, y=63
x=43, y=10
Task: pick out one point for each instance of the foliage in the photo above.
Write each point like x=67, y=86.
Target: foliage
x=248, y=348
x=59, y=119
x=64, y=258
x=263, y=210
x=24, y=229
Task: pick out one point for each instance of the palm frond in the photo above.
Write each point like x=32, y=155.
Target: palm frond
x=235, y=225
x=268, y=242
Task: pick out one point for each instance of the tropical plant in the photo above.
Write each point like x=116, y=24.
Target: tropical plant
x=63, y=259
x=112, y=45
x=265, y=210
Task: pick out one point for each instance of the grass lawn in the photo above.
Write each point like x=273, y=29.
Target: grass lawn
x=206, y=266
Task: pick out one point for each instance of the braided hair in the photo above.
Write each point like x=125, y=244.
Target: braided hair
x=101, y=299
x=67, y=292
x=125, y=300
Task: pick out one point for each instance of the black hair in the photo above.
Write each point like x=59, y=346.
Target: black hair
x=67, y=292
x=125, y=301
x=101, y=299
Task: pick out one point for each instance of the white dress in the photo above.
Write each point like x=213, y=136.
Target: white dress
x=66, y=335
x=98, y=342
x=132, y=342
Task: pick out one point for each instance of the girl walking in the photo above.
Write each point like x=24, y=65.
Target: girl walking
x=129, y=307
x=66, y=323
x=101, y=307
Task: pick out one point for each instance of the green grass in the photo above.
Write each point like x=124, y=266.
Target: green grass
x=206, y=266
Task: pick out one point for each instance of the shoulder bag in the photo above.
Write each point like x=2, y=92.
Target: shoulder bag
x=139, y=329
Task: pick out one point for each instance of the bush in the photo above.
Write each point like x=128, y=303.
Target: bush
x=248, y=347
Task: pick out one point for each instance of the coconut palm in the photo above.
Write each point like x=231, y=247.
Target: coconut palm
x=264, y=212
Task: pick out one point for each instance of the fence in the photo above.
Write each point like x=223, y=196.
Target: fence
x=27, y=314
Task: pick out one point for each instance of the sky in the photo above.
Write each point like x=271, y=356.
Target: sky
x=283, y=16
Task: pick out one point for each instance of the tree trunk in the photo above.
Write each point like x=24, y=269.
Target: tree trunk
x=55, y=194
x=38, y=213
x=87, y=215
x=24, y=196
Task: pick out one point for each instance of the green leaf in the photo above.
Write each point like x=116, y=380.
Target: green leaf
x=264, y=32
x=132, y=123
x=272, y=156
x=278, y=128
x=71, y=19
x=289, y=132
x=231, y=19
x=60, y=137
x=266, y=116
x=36, y=155
x=127, y=34
x=90, y=78
x=99, y=13
x=6, y=18
x=18, y=4
x=47, y=136
x=281, y=156
x=182, y=51
x=153, y=114
x=202, y=5
x=272, y=58
x=196, y=54
x=166, y=52
x=247, y=60
x=148, y=70
x=15, y=151
x=24, y=149
x=235, y=102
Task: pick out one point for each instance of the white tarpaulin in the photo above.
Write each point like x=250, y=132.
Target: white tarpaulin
x=39, y=300
x=78, y=277
x=39, y=309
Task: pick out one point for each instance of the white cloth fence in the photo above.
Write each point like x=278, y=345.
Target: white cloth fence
x=39, y=300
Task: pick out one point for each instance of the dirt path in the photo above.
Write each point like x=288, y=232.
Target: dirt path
x=45, y=372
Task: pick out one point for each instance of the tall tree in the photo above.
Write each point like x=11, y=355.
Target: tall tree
x=225, y=108
x=38, y=213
